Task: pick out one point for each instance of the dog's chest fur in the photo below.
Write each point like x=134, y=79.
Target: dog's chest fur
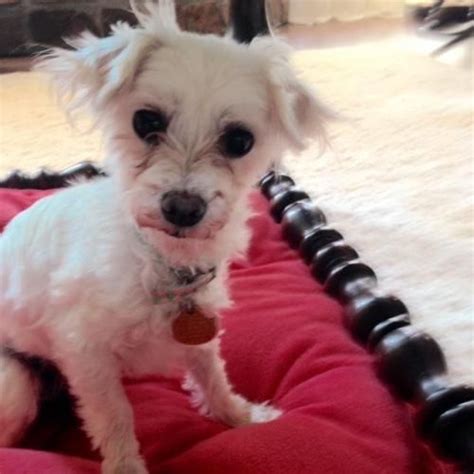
x=148, y=346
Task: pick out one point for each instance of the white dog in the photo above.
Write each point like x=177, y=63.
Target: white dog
x=95, y=277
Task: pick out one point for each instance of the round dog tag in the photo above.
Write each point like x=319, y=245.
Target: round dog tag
x=193, y=327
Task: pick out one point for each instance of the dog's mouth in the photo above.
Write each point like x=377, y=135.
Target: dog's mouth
x=145, y=221
x=177, y=233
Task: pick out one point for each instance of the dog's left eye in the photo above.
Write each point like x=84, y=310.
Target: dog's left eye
x=236, y=141
x=148, y=124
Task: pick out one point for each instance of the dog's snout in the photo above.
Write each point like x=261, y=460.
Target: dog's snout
x=182, y=208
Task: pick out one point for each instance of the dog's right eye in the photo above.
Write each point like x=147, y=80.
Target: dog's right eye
x=149, y=124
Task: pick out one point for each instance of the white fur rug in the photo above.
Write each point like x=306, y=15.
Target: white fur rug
x=398, y=180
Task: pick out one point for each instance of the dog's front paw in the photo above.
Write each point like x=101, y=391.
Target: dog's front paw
x=263, y=412
x=242, y=412
x=130, y=465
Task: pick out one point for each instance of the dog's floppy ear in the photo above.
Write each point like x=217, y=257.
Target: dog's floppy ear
x=95, y=69
x=295, y=107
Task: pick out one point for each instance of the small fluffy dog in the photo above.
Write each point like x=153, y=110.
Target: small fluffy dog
x=94, y=278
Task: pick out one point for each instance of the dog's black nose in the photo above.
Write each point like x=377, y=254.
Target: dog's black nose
x=183, y=209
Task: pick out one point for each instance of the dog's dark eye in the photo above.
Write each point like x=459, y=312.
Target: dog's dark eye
x=148, y=124
x=236, y=141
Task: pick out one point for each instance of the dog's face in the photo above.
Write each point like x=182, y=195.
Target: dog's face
x=193, y=135
x=191, y=122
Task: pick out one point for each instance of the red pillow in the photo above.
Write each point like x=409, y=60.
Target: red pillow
x=285, y=342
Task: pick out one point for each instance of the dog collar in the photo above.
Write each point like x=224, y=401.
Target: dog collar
x=188, y=280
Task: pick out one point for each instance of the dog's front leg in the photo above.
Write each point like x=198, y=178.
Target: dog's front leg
x=212, y=392
x=94, y=379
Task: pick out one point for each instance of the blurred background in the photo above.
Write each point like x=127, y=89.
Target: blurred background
x=397, y=178
x=27, y=25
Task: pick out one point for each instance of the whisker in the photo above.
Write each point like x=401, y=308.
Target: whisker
x=142, y=165
x=120, y=137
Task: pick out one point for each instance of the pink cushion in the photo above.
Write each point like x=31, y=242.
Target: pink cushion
x=284, y=342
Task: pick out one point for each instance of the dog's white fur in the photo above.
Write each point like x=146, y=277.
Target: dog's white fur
x=78, y=270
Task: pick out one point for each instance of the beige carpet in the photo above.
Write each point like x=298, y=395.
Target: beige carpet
x=398, y=181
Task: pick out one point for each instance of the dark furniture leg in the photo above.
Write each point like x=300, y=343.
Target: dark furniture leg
x=409, y=360
x=463, y=35
x=456, y=23
x=248, y=19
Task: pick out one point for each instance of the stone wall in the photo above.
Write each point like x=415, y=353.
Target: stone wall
x=26, y=25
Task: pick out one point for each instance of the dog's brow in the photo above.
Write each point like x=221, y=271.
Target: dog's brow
x=228, y=117
x=157, y=108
